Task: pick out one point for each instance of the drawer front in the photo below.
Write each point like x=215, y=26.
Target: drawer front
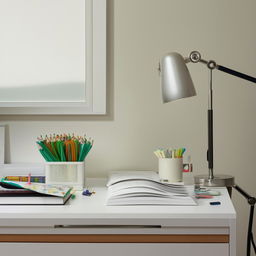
x=112, y=249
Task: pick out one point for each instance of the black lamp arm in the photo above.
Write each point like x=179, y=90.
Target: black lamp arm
x=251, y=201
x=195, y=57
x=236, y=73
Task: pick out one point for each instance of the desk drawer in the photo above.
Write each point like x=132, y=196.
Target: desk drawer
x=113, y=249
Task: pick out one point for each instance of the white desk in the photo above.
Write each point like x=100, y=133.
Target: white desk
x=86, y=226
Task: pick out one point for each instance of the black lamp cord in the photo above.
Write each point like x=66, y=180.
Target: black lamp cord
x=251, y=201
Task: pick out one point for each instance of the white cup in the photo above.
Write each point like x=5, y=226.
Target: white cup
x=170, y=169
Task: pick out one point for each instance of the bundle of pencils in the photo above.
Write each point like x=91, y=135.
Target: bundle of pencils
x=64, y=148
x=170, y=153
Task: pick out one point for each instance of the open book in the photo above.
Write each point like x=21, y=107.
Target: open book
x=145, y=188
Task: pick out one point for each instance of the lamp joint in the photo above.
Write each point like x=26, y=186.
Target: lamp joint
x=251, y=200
x=195, y=56
x=211, y=64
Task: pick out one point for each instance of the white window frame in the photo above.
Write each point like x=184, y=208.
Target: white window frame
x=95, y=103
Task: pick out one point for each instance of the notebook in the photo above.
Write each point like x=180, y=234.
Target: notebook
x=22, y=193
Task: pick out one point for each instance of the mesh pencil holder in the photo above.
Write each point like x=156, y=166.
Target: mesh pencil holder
x=65, y=173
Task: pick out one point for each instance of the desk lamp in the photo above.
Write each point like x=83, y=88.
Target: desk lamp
x=176, y=83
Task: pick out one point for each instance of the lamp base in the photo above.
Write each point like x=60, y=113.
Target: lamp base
x=219, y=180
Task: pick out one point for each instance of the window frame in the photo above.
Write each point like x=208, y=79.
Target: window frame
x=95, y=103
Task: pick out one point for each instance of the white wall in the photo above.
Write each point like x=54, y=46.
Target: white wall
x=139, y=33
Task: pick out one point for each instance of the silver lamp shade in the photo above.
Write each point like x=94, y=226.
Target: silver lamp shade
x=176, y=81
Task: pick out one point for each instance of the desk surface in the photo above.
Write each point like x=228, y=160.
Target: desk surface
x=92, y=210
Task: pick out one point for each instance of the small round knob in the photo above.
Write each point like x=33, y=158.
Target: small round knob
x=195, y=56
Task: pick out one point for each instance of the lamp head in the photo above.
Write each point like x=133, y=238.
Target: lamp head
x=176, y=82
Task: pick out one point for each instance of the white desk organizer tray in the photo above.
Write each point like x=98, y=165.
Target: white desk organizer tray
x=65, y=173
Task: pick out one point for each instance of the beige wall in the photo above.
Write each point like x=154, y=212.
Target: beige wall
x=139, y=33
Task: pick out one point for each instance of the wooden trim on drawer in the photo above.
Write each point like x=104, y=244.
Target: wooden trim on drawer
x=45, y=238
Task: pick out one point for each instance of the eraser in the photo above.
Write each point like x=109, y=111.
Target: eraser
x=215, y=203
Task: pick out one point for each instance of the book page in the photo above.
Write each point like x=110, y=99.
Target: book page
x=118, y=176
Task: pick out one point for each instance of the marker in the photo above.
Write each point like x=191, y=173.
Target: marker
x=169, y=152
x=204, y=196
